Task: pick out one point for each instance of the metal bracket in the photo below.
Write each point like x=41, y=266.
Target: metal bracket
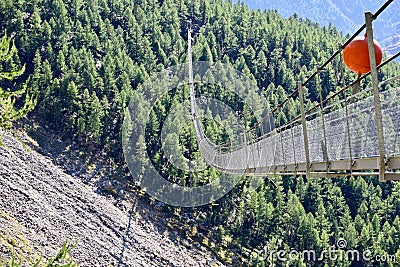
x=387, y=162
x=328, y=166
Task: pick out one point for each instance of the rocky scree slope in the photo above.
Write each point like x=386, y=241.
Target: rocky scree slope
x=53, y=207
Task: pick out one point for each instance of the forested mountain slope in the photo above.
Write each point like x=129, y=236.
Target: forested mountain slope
x=86, y=58
x=345, y=15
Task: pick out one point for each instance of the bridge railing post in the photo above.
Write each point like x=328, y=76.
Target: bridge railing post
x=325, y=148
x=304, y=123
x=294, y=150
x=283, y=149
x=377, y=102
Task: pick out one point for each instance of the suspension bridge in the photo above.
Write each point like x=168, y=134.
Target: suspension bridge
x=356, y=136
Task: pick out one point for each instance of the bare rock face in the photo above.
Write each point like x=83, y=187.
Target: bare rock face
x=54, y=207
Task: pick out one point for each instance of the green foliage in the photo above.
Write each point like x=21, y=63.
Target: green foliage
x=9, y=112
x=16, y=250
x=62, y=259
x=85, y=59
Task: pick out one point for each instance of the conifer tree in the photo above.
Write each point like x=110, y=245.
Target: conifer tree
x=9, y=111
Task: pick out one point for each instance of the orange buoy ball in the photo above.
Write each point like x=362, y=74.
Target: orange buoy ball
x=356, y=55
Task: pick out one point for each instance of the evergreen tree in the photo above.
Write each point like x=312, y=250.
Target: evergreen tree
x=9, y=111
x=86, y=61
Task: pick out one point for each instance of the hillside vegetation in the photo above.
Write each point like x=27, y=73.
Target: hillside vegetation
x=85, y=59
x=347, y=16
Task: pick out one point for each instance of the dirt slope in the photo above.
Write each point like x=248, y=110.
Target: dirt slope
x=54, y=207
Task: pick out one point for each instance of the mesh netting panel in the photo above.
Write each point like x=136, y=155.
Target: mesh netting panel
x=391, y=121
x=316, y=144
x=363, y=133
x=337, y=135
x=299, y=144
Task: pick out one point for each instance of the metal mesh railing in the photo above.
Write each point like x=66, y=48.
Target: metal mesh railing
x=287, y=146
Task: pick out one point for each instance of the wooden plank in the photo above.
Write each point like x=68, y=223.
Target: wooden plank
x=392, y=176
x=394, y=163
